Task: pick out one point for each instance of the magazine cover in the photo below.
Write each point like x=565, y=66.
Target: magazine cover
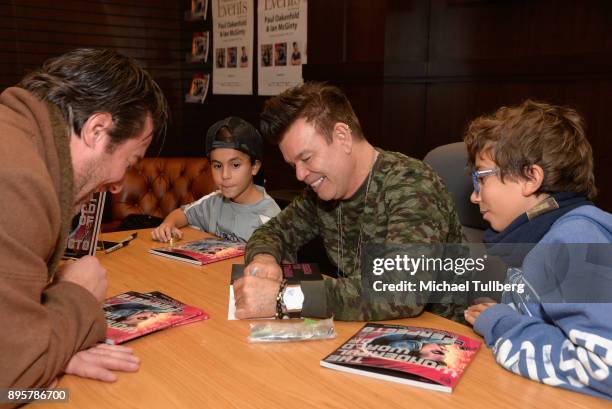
x=199, y=46
x=294, y=273
x=204, y=251
x=131, y=315
x=198, y=89
x=425, y=357
x=83, y=237
x=163, y=297
x=199, y=8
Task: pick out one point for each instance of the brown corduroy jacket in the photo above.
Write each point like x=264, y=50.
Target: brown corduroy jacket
x=43, y=322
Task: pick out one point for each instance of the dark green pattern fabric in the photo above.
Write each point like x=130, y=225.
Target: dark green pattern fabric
x=406, y=203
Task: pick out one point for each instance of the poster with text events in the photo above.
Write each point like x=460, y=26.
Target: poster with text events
x=282, y=48
x=233, y=47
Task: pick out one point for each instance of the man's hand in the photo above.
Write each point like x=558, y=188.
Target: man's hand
x=98, y=362
x=264, y=266
x=474, y=311
x=165, y=231
x=255, y=297
x=86, y=272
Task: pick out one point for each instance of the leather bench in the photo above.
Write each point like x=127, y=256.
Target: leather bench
x=156, y=186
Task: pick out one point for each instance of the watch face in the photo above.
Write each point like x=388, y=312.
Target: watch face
x=293, y=297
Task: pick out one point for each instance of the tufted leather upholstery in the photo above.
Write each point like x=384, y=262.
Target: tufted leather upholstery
x=156, y=186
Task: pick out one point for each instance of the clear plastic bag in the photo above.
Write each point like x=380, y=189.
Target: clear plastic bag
x=282, y=331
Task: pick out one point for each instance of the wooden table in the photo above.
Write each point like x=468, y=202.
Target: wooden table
x=210, y=364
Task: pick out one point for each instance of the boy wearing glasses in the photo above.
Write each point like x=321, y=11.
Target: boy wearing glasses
x=533, y=181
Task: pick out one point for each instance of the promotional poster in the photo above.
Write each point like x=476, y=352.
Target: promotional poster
x=282, y=48
x=233, y=47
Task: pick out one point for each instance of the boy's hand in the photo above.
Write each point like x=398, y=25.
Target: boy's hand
x=165, y=232
x=474, y=311
x=264, y=266
x=255, y=297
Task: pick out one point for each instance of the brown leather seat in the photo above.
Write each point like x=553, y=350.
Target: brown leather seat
x=156, y=186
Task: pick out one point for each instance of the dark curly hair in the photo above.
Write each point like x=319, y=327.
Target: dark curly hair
x=85, y=81
x=319, y=103
x=536, y=133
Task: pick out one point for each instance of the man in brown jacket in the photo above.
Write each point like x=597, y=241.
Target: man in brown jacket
x=68, y=129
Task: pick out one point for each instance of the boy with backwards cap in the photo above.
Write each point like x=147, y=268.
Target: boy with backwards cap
x=234, y=148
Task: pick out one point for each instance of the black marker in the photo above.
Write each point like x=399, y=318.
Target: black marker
x=122, y=243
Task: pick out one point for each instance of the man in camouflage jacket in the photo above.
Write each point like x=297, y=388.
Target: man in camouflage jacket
x=357, y=195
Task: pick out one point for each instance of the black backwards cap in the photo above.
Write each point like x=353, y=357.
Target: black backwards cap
x=245, y=137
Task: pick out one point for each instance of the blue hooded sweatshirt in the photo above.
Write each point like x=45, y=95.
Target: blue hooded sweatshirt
x=558, y=329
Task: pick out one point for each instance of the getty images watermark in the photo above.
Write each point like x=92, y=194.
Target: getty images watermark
x=556, y=273
x=458, y=266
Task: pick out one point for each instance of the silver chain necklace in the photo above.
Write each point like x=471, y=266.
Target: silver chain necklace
x=357, y=261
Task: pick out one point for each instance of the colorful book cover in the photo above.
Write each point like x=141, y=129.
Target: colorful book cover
x=161, y=296
x=83, y=237
x=294, y=273
x=199, y=8
x=199, y=88
x=131, y=315
x=425, y=357
x=204, y=251
x=199, y=46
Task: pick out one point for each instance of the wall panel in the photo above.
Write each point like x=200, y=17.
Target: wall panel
x=416, y=71
x=446, y=62
x=32, y=31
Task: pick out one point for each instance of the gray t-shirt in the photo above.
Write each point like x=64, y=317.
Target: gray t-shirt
x=232, y=221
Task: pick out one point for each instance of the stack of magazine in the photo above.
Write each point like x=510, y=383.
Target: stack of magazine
x=425, y=357
x=132, y=314
x=204, y=251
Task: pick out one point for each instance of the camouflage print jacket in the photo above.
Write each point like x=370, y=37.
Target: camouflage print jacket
x=406, y=203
